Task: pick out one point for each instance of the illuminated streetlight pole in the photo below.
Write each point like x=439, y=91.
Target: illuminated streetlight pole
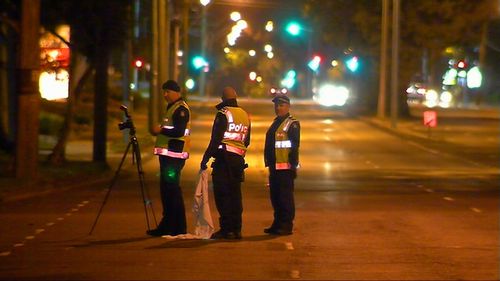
x=203, y=75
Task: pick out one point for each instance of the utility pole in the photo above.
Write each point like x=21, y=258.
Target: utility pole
x=383, y=60
x=28, y=100
x=185, y=43
x=395, y=62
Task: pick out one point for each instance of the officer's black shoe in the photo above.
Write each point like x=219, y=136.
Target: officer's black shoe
x=269, y=229
x=226, y=235
x=278, y=231
x=156, y=232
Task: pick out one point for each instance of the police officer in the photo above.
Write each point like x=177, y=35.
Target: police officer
x=281, y=156
x=172, y=148
x=228, y=145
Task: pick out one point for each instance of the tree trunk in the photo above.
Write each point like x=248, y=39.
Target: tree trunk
x=58, y=155
x=101, y=105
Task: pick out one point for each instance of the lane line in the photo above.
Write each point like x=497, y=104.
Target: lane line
x=476, y=210
x=448, y=199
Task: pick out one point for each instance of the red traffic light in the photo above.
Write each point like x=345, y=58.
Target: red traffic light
x=138, y=63
x=462, y=64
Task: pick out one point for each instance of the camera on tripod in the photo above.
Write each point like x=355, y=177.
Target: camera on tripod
x=128, y=124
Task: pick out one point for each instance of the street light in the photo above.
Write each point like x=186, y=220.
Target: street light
x=203, y=40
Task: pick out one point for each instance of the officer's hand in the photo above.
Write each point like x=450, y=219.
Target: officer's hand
x=203, y=166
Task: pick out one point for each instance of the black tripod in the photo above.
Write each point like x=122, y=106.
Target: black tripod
x=136, y=155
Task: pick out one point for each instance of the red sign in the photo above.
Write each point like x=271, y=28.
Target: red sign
x=430, y=118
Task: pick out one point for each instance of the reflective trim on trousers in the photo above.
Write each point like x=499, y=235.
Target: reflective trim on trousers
x=166, y=152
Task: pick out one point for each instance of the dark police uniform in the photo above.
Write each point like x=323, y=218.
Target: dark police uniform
x=172, y=147
x=228, y=144
x=281, y=156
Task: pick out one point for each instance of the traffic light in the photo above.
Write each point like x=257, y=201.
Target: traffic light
x=138, y=63
x=461, y=64
x=314, y=63
x=199, y=62
x=293, y=28
x=353, y=64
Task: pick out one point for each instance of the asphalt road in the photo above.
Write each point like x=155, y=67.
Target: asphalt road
x=371, y=204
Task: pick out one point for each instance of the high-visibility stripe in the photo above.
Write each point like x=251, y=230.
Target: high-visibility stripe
x=234, y=149
x=234, y=136
x=283, y=144
x=166, y=152
x=229, y=116
x=283, y=166
x=187, y=132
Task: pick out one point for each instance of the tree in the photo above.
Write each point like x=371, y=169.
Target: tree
x=97, y=29
x=425, y=25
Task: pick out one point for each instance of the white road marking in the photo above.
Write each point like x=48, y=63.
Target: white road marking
x=74, y=210
x=476, y=210
x=429, y=190
x=40, y=230
x=295, y=274
x=50, y=223
x=4, y=254
x=68, y=214
x=18, y=245
x=448, y=199
x=289, y=246
x=60, y=219
x=31, y=237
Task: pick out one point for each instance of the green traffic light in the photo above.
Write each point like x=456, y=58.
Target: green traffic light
x=293, y=28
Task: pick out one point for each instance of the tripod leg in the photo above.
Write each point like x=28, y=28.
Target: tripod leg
x=110, y=187
x=144, y=191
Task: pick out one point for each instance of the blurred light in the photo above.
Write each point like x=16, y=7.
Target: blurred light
x=431, y=96
x=189, y=84
x=180, y=53
x=474, y=78
x=242, y=24
x=314, y=63
x=270, y=55
x=450, y=77
x=273, y=90
x=252, y=75
x=269, y=26
x=446, y=97
x=268, y=48
x=258, y=79
x=353, y=64
x=138, y=63
x=132, y=86
x=199, y=62
x=461, y=64
x=293, y=28
x=332, y=95
x=54, y=86
x=204, y=2
x=462, y=74
x=284, y=91
x=235, y=16
x=227, y=50
x=335, y=63
x=252, y=53
x=289, y=80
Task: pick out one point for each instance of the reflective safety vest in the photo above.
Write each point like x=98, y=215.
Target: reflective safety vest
x=162, y=141
x=238, y=123
x=283, y=144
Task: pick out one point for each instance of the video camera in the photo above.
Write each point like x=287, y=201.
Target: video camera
x=128, y=124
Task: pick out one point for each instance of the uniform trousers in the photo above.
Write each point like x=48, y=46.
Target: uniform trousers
x=227, y=175
x=173, y=221
x=281, y=185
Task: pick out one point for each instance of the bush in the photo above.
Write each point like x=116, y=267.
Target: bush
x=50, y=123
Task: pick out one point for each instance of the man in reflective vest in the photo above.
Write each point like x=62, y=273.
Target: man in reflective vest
x=172, y=148
x=281, y=156
x=228, y=145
